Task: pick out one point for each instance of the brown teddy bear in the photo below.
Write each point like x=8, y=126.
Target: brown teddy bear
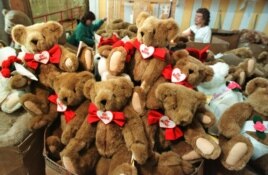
x=243, y=129
x=186, y=70
x=150, y=55
x=180, y=107
x=262, y=65
x=107, y=146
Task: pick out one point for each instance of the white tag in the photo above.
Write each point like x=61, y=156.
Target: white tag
x=125, y=39
x=146, y=52
x=43, y=57
x=249, y=126
x=23, y=71
x=177, y=76
x=106, y=117
x=60, y=106
x=217, y=56
x=164, y=122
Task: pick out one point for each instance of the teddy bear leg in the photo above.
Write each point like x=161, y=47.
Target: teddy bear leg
x=185, y=151
x=40, y=121
x=236, y=152
x=116, y=61
x=121, y=163
x=171, y=163
x=138, y=100
x=86, y=59
x=202, y=143
x=80, y=163
x=68, y=61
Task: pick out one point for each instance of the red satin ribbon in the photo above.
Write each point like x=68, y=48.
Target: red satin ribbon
x=68, y=114
x=118, y=117
x=167, y=73
x=6, y=64
x=108, y=41
x=128, y=46
x=54, y=53
x=199, y=54
x=159, y=53
x=170, y=133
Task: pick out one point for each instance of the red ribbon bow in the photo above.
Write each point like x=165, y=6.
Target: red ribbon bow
x=68, y=113
x=167, y=74
x=108, y=41
x=54, y=57
x=199, y=54
x=159, y=53
x=170, y=133
x=128, y=46
x=95, y=115
x=6, y=64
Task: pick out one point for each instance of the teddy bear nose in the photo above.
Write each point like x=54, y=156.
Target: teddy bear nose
x=142, y=33
x=103, y=102
x=34, y=41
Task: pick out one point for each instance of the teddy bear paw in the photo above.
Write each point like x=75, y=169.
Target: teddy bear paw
x=38, y=122
x=116, y=61
x=207, y=148
x=32, y=107
x=125, y=169
x=139, y=152
x=138, y=100
x=68, y=164
x=69, y=65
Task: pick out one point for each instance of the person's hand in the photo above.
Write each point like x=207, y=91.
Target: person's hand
x=104, y=19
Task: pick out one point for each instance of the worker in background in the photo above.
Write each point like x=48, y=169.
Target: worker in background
x=200, y=30
x=85, y=29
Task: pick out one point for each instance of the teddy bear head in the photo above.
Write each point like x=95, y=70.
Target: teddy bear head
x=193, y=69
x=220, y=71
x=109, y=95
x=67, y=86
x=156, y=32
x=179, y=102
x=37, y=37
x=257, y=94
x=14, y=17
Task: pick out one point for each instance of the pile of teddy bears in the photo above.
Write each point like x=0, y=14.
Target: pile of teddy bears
x=133, y=106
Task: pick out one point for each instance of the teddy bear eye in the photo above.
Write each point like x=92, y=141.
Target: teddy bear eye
x=142, y=33
x=154, y=31
x=191, y=71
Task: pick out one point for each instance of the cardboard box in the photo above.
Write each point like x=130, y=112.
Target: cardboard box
x=25, y=158
x=232, y=37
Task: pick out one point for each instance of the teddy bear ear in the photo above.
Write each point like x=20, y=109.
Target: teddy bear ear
x=165, y=90
x=87, y=87
x=141, y=18
x=180, y=54
x=18, y=33
x=4, y=12
x=173, y=29
x=54, y=27
x=255, y=83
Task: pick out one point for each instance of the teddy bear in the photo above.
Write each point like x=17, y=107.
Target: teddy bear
x=253, y=36
x=220, y=93
x=243, y=129
x=185, y=70
x=107, y=146
x=150, y=55
x=261, y=69
x=181, y=118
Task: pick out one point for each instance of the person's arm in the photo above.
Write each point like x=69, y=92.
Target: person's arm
x=187, y=32
x=97, y=23
x=207, y=37
x=81, y=36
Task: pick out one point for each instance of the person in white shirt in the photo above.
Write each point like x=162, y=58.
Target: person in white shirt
x=200, y=30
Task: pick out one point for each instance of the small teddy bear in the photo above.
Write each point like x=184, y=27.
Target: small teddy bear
x=112, y=133
x=243, y=129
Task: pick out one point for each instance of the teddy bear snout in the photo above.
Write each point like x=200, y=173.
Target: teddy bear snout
x=103, y=102
x=34, y=41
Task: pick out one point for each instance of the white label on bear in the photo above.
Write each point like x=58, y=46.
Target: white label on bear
x=43, y=57
x=60, y=106
x=164, y=122
x=177, y=76
x=106, y=117
x=146, y=52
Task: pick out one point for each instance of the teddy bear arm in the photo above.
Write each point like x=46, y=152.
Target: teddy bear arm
x=233, y=119
x=18, y=81
x=68, y=61
x=205, y=117
x=116, y=61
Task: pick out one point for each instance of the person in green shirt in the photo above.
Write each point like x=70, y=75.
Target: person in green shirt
x=84, y=31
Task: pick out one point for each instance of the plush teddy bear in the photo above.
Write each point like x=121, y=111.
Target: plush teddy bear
x=111, y=134
x=186, y=70
x=243, y=129
x=220, y=93
x=39, y=42
x=150, y=55
x=261, y=65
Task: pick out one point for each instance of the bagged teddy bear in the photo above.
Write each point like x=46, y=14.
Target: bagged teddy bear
x=111, y=135
x=220, y=93
x=243, y=130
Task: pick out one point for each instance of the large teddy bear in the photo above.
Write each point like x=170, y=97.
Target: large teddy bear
x=150, y=55
x=182, y=113
x=185, y=70
x=243, y=129
x=112, y=133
